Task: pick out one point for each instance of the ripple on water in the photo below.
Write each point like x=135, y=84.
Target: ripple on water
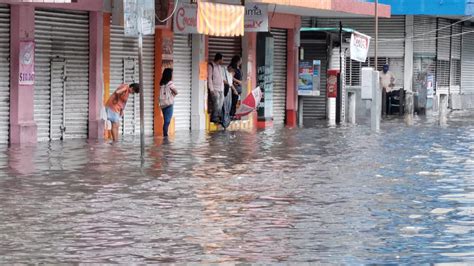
x=338, y=195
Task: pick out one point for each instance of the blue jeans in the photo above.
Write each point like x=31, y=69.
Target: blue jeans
x=167, y=115
x=112, y=116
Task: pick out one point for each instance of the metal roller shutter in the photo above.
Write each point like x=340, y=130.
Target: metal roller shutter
x=4, y=74
x=314, y=108
x=391, y=32
x=443, y=41
x=227, y=46
x=443, y=53
x=307, y=22
x=124, y=69
x=279, y=75
x=62, y=71
x=425, y=36
x=455, y=79
x=467, y=61
x=182, y=72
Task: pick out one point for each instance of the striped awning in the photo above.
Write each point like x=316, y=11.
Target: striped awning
x=220, y=19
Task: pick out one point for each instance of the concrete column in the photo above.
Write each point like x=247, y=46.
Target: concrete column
x=300, y=111
x=443, y=109
x=351, y=118
x=198, y=94
x=249, y=67
x=96, y=88
x=408, y=75
x=376, y=108
x=23, y=129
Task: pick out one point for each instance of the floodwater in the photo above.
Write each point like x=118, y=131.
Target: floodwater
x=328, y=195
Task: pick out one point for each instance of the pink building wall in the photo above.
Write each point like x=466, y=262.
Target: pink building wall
x=23, y=129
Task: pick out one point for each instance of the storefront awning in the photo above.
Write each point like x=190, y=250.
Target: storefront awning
x=220, y=20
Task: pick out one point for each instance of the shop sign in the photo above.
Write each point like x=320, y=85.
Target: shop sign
x=359, y=46
x=27, y=63
x=256, y=18
x=185, y=19
x=139, y=17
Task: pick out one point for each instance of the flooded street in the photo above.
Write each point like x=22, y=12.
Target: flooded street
x=329, y=195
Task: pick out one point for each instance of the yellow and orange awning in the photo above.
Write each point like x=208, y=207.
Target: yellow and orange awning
x=220, y=19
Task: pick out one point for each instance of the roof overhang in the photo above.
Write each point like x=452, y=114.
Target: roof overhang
x=327, y=8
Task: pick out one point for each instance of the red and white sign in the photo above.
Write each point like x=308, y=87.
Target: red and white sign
x=256, y=18
x=359, y=46
x=27, y=63
x=185, y=19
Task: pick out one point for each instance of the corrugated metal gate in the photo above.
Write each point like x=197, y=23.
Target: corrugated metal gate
x=455, y=73
x=391, y=32
x=124, y=69
x=62, y=74
x=182, y=72
x=467, y=61
x=443, y=53
x=4, y=74
x=279, y=75
x=424, y=44
x=314, y=108
x=227, y=46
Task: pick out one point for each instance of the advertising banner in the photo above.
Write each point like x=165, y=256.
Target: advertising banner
x=305, y=74
x=27, y=63
x=359, y=46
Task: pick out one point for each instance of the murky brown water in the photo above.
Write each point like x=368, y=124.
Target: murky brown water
x=339, y=195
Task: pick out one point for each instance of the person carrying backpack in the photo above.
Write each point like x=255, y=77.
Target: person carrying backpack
x=167, y=93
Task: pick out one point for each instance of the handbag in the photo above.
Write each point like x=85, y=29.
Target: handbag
x=166, y=96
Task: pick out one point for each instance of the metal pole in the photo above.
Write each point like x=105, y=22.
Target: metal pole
x=140, y=75
x=376, y=33
x=339, y=87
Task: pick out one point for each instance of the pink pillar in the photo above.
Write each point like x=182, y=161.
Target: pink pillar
x=96, y=124
x=292, y=82
x=23, y=128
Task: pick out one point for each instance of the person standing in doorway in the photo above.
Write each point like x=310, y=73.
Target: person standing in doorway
x=116, y=103
x=167, y=93
x=235, y=65
x=387, y=84
x=215, y=81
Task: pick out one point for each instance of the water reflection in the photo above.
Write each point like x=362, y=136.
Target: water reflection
x=339, y=195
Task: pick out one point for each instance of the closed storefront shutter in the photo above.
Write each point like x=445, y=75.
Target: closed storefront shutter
x=307, y=22
x=182, y=72
x=443, y=53
x=4, y=74
x=424, y=42
x=467, y=62
x=124, y=69
x=62, y=74
x=227, y=46
x=455, y=79
x=444, y=33
x=391, y=32
x=279, y=75
x=314, y=108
